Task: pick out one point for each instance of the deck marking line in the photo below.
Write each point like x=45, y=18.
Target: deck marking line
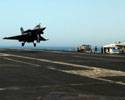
x=100, y=58
x=76, y=65
x=22, y=62
x=85, y=75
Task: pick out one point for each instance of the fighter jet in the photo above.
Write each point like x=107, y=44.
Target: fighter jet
x=30, y=35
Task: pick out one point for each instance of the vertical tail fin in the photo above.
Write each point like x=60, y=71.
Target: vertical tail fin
x=22, y=31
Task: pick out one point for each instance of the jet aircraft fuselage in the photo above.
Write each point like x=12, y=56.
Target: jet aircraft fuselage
x=30, y=35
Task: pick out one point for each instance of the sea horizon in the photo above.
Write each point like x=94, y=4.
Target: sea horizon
x=66, y=48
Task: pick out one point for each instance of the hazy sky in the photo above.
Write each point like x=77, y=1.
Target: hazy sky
x=68, y=22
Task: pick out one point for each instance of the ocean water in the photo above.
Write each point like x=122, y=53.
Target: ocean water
x=65, y=48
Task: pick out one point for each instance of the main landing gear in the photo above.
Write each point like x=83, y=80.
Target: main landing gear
x=34, y=44
x=23, y=44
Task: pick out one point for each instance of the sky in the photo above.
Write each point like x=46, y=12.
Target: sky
x=68, y=22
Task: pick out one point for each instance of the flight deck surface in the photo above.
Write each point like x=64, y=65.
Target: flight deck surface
x=28, y=74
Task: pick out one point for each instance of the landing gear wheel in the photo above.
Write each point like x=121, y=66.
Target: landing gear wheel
x=23, y=44
x=34, y=44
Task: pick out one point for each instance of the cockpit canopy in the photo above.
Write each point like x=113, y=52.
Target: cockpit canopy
x=38, y=26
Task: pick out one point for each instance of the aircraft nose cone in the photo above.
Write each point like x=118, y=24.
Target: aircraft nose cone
x=44, y=28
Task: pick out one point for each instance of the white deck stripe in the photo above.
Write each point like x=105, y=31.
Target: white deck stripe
x=120, y=73
x=22, y=62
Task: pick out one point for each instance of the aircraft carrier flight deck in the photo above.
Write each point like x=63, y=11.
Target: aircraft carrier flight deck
x=28, y=74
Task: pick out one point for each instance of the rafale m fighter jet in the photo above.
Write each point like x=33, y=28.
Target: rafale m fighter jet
x=29, y=35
